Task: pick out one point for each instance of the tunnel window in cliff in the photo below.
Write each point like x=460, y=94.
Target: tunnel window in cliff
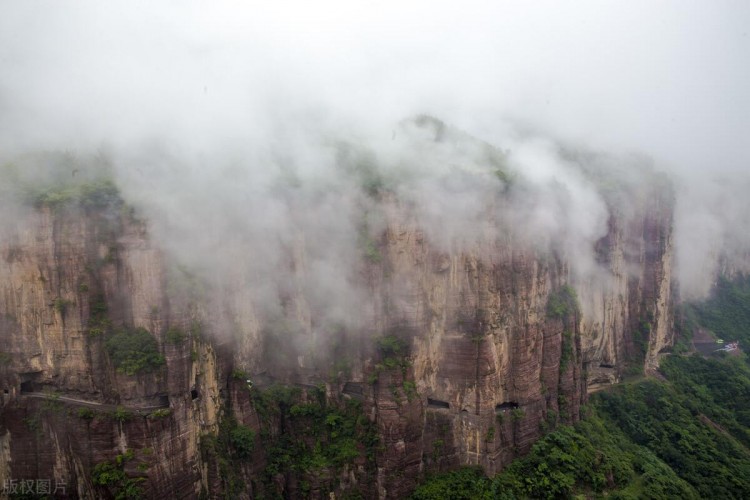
x=437, y=404
x=28, y=382
x=354, y=389
x=506, y=406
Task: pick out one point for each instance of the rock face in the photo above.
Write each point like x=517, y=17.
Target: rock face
x=480, y=352
x=497, y=354
x=61, y=271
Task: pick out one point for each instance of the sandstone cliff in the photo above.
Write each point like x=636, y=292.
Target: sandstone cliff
x=466, y=356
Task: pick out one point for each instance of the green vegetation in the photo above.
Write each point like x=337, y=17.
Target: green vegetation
x=726, y=312
x=410, y=389
x=368, y=244
x=176, y=336
x=160, y=413
x=99, y=322
x=517, y=414
x=34, y=422
x=243, y=441
x=490, y=436
x=391, y=346
x=716, y=388
x=122, y=414
x=196, y=329
x=468, y=483
x=362, y=167
x=585, y=459
x=52, y=403
x=303, y=437
x=61, y=305
x=85, y=413
x=234, y=442
x=641, y=336
x=503, y=176
x=273, y=401
x=371, y=250
x=216, y=448
x=562, y=303
x=672, y=420
x=5, y=358
x=134, y=351
x=566, y=350
x=319, y=437
x=393, y=353
x=61, y=181
x=96, y=194
x=112, y=477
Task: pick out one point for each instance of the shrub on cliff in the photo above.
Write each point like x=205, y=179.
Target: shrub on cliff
x=243, y=440
x=176, y=336
x=96, y=194
x=393, y=354
x=562, y=302
x=467, y=483
x=112, y=478
x=134, y=351
x=391, y=346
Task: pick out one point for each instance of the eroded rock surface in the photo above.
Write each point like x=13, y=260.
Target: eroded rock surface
x=485, y=359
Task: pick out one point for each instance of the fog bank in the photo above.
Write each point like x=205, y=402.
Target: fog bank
x=233, y=121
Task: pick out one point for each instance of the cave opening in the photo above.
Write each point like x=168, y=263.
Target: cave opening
x=436, y=403
x=355, y=389
x=193, y=393
x=505, y=406
x=28, y=380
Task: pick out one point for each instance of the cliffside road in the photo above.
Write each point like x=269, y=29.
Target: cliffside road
x=90, y=404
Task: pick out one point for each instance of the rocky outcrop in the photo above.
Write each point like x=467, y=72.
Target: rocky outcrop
x=63, y=273
x=496, y=354
x=465, y=356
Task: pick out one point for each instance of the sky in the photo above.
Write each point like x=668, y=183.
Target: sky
x=669, y=78
x=208, y=85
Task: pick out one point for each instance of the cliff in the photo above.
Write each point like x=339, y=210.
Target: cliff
x=465, y=356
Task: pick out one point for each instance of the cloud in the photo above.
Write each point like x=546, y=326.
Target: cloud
x=211, y=112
